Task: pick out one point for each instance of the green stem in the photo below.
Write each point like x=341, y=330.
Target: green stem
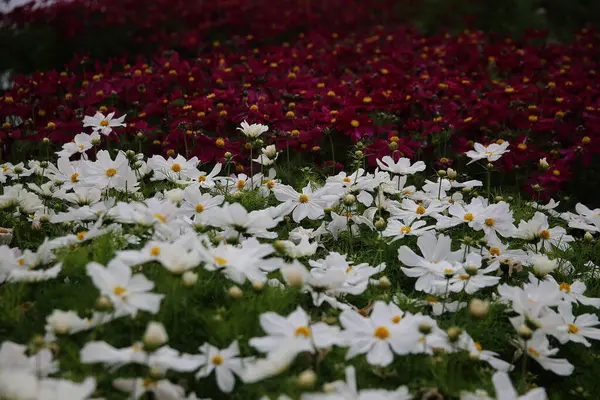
x=332, y=153
x=251, y=169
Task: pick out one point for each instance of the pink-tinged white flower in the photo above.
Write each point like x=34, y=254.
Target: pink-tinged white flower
x=128, y=293
x=103, y=124
x=252, y=131
x=305, y=204
x=297, y=327
x=348, y=390
x=224, y=362
x=538, y=348
x=400, y=167
x=491, y=153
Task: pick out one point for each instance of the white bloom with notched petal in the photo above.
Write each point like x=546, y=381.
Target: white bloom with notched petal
x=305, y=204
x=538, y=348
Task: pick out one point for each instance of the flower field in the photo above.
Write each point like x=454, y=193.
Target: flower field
x=306, y=202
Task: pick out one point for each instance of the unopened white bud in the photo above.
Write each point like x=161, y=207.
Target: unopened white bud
x=307, y=379
x=384, y=282
x=235, y=292
x=451, y=173
x=155, y=336
x=479, y=308
x=189, y=278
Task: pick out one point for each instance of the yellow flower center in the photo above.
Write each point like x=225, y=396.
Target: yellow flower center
x=464, y=277
x=522, y=146
x=104, y=122
x=240, y=184
x=201, y=178
x=405, y=229
x=349, y=268
x=565, y=287
x=346, y=179
x=420, y=210
x=468, y=217
x=302, y=330
x=303, y=198
x=355, y=123
x=533, y=352
x=75, y=177
x=586, y=140
x=495, y=251
x=573, y=329
x=21, y=261
x=217, y=360
x=111, y=172
x=119, y=290
x=396, y=319
x=381, y=332
x=489, y=221
x=219, y=142
x=220, y=260
x=176, y=167
x=545, y=234
x=556, y=172
x=81, y=235
x=161, y=218
x=148, y=383
x=155, y=251
x=199, y=208
x=431, y=300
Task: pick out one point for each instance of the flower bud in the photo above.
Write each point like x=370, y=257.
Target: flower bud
x=479, y=308
x=140, y=135
x=384, y=282
x=498, y=198
x=425, y=329
x=228, y=155
x=467, y=189
x=258, y=285
x=155, y=336
x=44, y=164
x=235, y=292
x=454, y=334
x=358, y=153
x=293, y=276
x=130, y=154
x=588, y=237
x=46, y=140
x=306, y=379
x=543, y=164
x=441, y=172
x=156, y=373
x=349, y=199
x=95, y=141
x=103, y=303
x=189, y=278
x=525, y=333
x=542, y=265
x=380, y=224
x=451, y=173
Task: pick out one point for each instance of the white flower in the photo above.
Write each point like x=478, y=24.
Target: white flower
x=380, y=335
x=305, y=204
x=275, y=363
x=397, y=230
x=348, y=390
x=252, y=131
x=103, y=124
x=491, y=153
x=296, y=327
x=225, y=363
x=162, y=389
x=539, y=349
x=400, y=167
x=127, y=293
x=577, y=329
x=59, y=389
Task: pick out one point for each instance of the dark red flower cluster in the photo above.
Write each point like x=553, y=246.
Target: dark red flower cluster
x=395, y=91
